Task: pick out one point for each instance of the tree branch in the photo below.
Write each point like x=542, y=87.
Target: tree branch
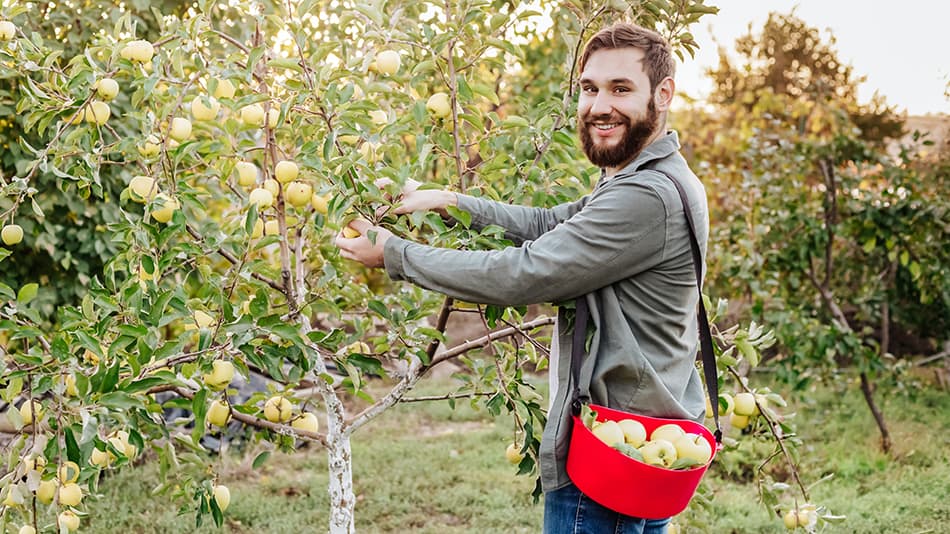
x=231, y=258
x=257, y=422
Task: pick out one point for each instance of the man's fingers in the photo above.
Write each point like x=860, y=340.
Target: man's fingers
x=360, y=225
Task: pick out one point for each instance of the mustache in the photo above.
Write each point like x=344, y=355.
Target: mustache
x=587, y=119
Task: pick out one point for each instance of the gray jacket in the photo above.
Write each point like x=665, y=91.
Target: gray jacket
x=626, y=247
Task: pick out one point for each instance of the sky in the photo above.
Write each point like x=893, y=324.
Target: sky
x=902, y=46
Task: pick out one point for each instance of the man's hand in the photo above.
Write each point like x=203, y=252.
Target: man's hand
x=361, y=248
x=412, y=199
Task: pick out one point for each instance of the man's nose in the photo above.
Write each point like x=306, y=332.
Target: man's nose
x=601, y=104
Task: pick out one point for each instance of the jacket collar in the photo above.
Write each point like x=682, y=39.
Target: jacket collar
x=660, y=148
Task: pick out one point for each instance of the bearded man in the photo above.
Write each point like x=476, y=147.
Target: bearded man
x=624, y=248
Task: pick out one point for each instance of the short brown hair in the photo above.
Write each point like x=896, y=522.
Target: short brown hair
x=658, y=55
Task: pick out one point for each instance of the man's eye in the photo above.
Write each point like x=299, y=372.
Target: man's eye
x=622, y=90
x=589, y=89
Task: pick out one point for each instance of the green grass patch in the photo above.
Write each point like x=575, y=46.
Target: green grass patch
x=426, y=468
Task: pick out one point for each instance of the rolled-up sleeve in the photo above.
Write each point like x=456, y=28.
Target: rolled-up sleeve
x=620, y=232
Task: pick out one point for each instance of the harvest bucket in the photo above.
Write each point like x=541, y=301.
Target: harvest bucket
x=628, y=486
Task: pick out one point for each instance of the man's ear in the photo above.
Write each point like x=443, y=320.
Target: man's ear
x=663, y=95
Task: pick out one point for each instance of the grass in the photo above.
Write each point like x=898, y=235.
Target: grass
x=425, y=468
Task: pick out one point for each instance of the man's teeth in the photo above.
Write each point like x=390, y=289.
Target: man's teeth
x=605, y=126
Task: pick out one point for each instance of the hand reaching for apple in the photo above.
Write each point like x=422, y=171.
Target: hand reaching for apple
x=413, y=199
x=363, y=242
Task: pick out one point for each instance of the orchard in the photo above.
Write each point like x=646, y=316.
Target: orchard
x=174, y=177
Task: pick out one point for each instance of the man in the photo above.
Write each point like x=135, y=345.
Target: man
x=624, y=248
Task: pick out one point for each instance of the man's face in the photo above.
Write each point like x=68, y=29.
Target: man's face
x=616, y=112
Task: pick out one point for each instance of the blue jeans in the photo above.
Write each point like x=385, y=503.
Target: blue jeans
x=568, y=511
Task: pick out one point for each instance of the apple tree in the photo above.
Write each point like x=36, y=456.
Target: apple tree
x=215, y=150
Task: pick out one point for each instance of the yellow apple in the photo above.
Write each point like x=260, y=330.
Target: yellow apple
x=273, y=117
x=11, y=234
x=252, y=115
x=258, y=230
x=387, y=62
x=693, y=446
x=142, y=188
x=106, y=88
x=299, y=194
x=307, y=422
x=668, y=432
x=277, y=409
x=369, y=151
x=70, y=494
x=319, y=203
x=609, y=432
x=222, y=372
x=222, y=496
x=46, y=491
x=150, y=147
x=271, y=227
x=31, y=463
x=68, y=472
x=730, y=404
x=658, y=452
x=738, y=421
x=247, y=173
x=202, y=319
x=204, y=112
x=219, y=413
x=272, y=185
x=790, y=520
x=140, y=50
x=807, y=515
x=26, y=529
x=286, y=171
x=100, y=458
x=262, y=198
x=69, y=519
x=745, y=404
x=439, y=105
x=225, y=89
x=350, y=233
x=70, y=382
x=26, y=411
x=633, y=432
x=97, y=112
x=513, y=454
x=180, y=129
x=7, y=30
x=378, y=117
x=165, y=208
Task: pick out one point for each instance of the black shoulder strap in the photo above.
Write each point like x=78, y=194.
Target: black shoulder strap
x=705, y=337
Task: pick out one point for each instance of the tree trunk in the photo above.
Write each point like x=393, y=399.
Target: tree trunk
x=342, y=500
x=878, y=415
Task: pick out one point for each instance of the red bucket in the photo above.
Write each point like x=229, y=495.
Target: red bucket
x=628, y=486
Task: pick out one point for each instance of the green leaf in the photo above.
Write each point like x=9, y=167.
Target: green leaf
x=72, y=447
x=461, y=216
x=685, y=463
x=367, y=364
x=27, y=293
x=588, y=416
x=110, y=379
x=120, y=400
x=628, y=450
x=260, y=459
x=379, y=308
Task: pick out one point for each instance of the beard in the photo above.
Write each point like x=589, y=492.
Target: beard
x=636, y=134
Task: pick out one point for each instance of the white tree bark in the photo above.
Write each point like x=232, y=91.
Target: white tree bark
x=342, y=499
